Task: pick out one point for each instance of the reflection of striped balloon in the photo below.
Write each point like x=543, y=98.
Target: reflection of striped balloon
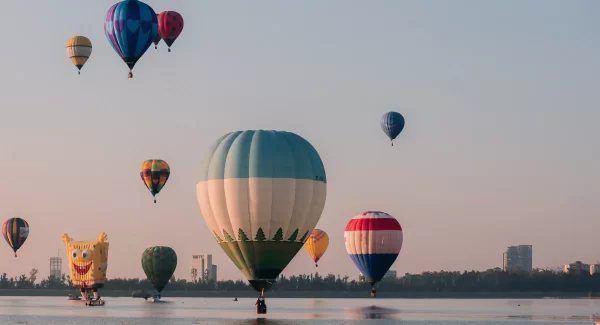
x=79, y=49
x=373, y=241
x=15, y=231
x=317, y=244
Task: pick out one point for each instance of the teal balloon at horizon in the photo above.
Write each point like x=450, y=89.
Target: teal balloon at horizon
x=261, y=194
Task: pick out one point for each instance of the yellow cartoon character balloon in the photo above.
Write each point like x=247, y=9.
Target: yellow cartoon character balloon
x=88, y=261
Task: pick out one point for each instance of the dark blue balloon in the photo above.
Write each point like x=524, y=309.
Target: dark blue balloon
x=130, y=27
x=392, y=124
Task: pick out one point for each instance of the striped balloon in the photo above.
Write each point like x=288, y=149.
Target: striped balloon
x=79, y=49
x=15, y=231
x=392, y=124
x=131, y=26
x=373, y=241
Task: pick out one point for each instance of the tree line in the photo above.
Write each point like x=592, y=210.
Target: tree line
x=492, y=280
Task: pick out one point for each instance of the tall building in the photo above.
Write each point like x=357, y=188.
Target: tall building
x=207, y=271
x=577, y=268
x=56, y=266
x=518, y=259
x=213, y=272
x=198, y=264
x=209, y=267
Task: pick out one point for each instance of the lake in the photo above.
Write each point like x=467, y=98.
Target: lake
x=218, y=311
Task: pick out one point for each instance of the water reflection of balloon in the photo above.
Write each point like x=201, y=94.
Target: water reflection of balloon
x=373, y=242
x=261, y=194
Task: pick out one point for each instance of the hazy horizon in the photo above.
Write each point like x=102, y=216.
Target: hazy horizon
x=500, y=146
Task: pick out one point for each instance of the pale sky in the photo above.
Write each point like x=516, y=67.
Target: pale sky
x=500, y=148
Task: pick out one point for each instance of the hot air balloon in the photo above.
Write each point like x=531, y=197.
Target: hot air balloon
x=170, y=25
x=392, y=124
x=15, y=231
x=373, y=241
x=155, y=173
x=261, y=194
x=316, y=245
x=79, y=49
x=159, y=264
x=88, y=263
x=131, y=26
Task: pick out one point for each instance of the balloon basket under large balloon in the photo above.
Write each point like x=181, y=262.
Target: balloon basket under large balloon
x=78, y=72
x=154, y=200
x=155, y=47
x=15, y=254
x=392, y=144
x=316, y=265
x=169, y=49
x=130, y=75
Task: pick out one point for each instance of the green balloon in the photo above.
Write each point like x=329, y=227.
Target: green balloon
x=159, y=264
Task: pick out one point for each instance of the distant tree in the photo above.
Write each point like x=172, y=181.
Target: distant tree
x=33, y=275
x=194, y=274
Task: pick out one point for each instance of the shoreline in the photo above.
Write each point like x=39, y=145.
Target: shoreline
x=313, y=294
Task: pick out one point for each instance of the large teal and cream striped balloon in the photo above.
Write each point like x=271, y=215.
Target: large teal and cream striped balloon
x=261, y=194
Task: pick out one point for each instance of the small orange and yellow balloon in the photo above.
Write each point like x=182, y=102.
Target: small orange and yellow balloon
x=317, y=244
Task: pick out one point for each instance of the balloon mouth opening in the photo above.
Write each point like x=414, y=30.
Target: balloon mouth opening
x=262, y=285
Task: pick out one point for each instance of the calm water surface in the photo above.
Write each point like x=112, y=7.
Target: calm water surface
x=218, y=311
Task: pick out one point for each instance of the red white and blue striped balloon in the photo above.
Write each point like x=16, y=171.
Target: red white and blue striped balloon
x=373, y=241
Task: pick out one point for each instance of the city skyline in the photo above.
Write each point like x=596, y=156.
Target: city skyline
x=500, y=143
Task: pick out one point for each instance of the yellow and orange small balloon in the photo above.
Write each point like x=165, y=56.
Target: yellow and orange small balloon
x=317, y=244
x=88, y=261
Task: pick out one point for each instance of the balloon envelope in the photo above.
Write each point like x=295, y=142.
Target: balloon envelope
x=373, y=241
x=261, y=194
x=317, y=244
x=155, y=173
x=392, y=124
x=15, y=231
x=130, y=26
x=170, y=26
x=159, y=264
x=79, y=50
